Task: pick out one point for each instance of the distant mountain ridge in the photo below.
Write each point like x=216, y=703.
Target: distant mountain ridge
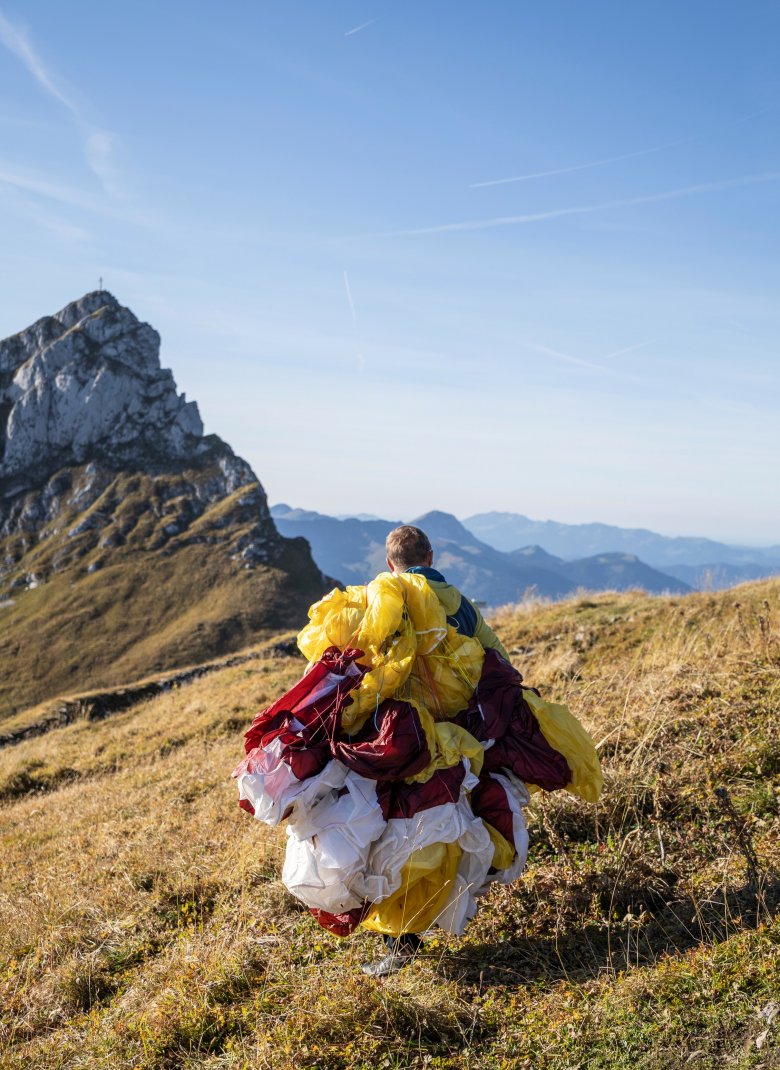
x=509, y=531
x=354, y=551
x=351, y=550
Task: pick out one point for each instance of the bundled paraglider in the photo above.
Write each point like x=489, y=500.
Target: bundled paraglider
x=402, y=762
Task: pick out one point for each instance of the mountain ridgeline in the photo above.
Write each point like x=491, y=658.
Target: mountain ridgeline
x=130, y=542
x=354, y=550
x=703, y=563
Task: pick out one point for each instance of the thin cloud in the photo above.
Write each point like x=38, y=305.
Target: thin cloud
x=25, y=123
x=586, y=209
x=15, y=41
x=54, y=191
x=362, y=26
x=61, y=228
x=19, y=181
x=97, y=143
x=17, y=189
x=98, y=149
x=582, y=166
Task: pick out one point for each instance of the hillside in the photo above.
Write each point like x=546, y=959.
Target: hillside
x=143, y=924
x=152, y=600
x=130, y=541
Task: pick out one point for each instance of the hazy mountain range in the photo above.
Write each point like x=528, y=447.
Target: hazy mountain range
x=509, y=531
x=353, y=550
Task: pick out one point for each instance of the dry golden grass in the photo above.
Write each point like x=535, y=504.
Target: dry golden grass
x=154, y=603
x=142, y=922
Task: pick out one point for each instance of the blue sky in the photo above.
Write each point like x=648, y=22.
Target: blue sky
x=440, y=255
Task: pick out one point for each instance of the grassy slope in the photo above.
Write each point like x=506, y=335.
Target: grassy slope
x=88, y=630
x=142, y=922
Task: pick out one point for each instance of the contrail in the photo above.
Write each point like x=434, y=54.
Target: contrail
x=361, y=360
x=586, y=209
x=582, y=166
x=580, y=362
x=567, y=357
x=362, y=26
x=349, y=298
x=97, y=142
x=485, y=224
x=625, y=156
x=628, y=349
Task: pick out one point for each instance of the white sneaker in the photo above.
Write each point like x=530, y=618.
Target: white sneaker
x=392, y=962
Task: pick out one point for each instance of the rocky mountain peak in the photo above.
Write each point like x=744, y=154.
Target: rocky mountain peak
x=86, y=385
x=85, y=406
x=130, y=542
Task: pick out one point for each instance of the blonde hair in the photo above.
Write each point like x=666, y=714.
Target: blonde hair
x=407, y=546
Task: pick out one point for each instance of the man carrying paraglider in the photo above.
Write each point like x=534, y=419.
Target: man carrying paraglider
x=403, y=759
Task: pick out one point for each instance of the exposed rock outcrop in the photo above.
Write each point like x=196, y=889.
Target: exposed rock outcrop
x=87, y=384
x=82, y=398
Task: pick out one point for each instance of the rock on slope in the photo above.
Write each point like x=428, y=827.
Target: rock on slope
x=129, y=541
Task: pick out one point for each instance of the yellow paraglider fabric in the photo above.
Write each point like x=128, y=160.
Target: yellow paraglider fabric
x=390, y=669
x=426, y=883
x=333, y=621
x=503, y=851
x=444, y=680
x=424, y=608
x=411, y=652
x=448, y=744
x=565, y=734
x=384, y=610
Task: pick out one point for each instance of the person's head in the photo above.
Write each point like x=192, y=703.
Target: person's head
x=406, y=547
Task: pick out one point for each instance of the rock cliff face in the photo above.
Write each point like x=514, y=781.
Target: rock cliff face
x=87, y=384
x=104, y=466
x=82, y=398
